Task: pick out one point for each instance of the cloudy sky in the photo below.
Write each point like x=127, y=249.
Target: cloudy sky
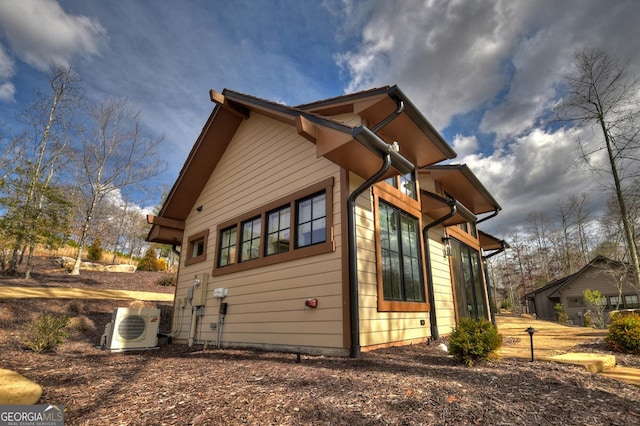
x=485, y=73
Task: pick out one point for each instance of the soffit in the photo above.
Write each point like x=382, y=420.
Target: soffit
x=489, y=242
x=437, y=207
x=459, y=182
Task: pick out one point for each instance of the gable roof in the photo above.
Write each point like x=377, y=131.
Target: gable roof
x=353, y=147
x=561, y=283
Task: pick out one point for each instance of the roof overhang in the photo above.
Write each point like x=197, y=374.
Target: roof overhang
x=437, y=207
x=418, y=140
x=354, y=148
x=165, y=231
x=490, y=243
x=460, y=183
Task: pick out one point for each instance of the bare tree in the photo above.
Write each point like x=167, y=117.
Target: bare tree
x=539, y=225
x=601, y=93
x=116, y=155
x=37, y=158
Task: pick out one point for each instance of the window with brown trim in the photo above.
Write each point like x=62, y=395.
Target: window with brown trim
x=406, y=184
x=197, y=248
x=264, y=235
x=399, y=252
x=250, y=239
x=278, y=231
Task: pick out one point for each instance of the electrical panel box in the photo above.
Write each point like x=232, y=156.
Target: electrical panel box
x=200, y=283
x=190, y=294
x=220, y=292
x=223, y=308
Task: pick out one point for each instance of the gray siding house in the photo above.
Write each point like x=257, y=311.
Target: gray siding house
x=611, y=278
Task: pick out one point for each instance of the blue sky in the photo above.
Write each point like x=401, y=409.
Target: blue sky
x=484, y=72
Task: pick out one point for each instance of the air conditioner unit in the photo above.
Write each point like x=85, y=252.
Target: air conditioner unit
x=132, y=328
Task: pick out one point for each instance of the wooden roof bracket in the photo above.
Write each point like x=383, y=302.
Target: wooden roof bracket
x=234, y=108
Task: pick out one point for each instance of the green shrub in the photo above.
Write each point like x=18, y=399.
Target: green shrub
x=561, y=316
x=505, y=304
x=45, y=332
x=624, y=334
x=149, y=262
x=474, y=340
x=167, y=280
x=94, y=252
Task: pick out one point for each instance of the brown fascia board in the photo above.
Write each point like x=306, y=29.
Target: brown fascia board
x=489, y=242
x=341, y=104
x=462, y=170
x=282, y=112
x=345, y=104
x=231, y=107
x=423, y=124
x=200, y=163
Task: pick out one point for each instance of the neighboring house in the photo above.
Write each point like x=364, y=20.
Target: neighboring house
x=325, y=228
x=611, y=278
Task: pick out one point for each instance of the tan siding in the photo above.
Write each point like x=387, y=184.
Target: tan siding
x=267, y=160
x=441, y=273
x=378, y=328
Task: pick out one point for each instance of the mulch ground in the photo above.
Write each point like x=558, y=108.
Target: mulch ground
x=177, y=385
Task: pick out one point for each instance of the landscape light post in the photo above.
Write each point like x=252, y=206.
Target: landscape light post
x=531, y=330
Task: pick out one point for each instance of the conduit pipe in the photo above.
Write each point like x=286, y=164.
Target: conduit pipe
x=391, y=158
x=193, y=326
x=433, y=320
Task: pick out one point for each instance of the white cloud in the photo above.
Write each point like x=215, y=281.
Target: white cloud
x=447, y=56
x=7, y=90
x=465, y=145
x=534, y=173
x=41, y=34
x=7, y=65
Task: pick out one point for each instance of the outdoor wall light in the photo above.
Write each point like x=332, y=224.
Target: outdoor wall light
x=311, y=303
x=199, y=208
x=531, y=330
x=446, y=241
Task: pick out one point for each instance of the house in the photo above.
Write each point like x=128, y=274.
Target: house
x=611, y=278
x=326, y=228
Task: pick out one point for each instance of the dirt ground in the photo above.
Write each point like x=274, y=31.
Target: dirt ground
x=176, y=385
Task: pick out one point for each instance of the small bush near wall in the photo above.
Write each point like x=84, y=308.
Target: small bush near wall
x=45, y=333
x=167, y=280
x=561, y=316
x=474, y=340
x=624, y=334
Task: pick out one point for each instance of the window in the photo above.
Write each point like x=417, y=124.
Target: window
x=631, y=301
x=311, y=222
x=614, y=301
x=469, y=228
x=264, y=235
x=575, y=302
x=197, y=248
x=400, y=255
x=228, y=243
x=250, y=245
x=468, y=282
x=406, y=184
x=278, y=229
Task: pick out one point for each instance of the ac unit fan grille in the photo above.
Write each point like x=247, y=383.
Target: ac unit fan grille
x=131, y=327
